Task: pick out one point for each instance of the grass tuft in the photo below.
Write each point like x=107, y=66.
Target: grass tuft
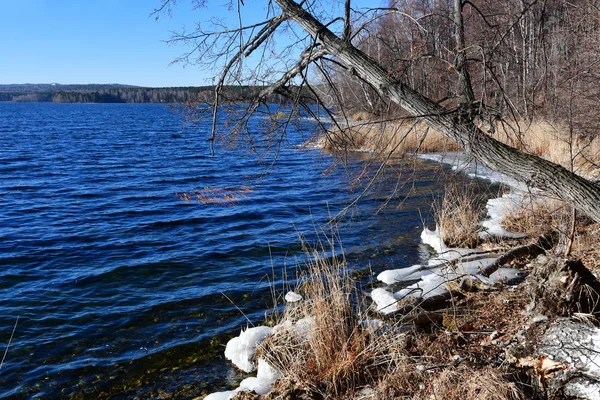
x=323, y=343
x=458, y=214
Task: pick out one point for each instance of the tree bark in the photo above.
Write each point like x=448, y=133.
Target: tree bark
x=529, y=169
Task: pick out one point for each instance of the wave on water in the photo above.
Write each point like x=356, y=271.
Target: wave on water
x=121, y=285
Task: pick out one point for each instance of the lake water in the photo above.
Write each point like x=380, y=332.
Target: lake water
x=123, y=289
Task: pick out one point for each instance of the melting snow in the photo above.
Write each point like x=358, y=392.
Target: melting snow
x=434, y=277
x=292, y=297
x=240, y=350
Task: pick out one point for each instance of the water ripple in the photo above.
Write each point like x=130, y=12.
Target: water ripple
x=117, y=282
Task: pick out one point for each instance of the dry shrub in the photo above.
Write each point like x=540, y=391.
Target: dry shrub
x=458, y=214
x=385, y=138
x=333, y=354
x=554, y=143
x=463, y=383
x=538, y=215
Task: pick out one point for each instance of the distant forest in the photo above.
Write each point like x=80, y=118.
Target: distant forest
x=57, y=93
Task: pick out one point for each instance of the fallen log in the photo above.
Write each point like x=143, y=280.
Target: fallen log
x=419, y=308
x=420, y=304
x=540, y=246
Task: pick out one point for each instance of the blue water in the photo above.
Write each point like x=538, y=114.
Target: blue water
x=123, y=289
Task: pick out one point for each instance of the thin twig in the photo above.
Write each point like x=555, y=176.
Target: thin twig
x=9, y=341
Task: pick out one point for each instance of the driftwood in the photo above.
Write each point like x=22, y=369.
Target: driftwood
x=418, y=305
x=540, y=246
x=419, y=309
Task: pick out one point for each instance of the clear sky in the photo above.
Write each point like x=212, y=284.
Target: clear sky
x=101, y=41
x=97, y=41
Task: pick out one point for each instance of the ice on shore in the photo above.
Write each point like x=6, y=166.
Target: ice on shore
x=454, y=264
x=433, y=279
x=428, y=286
x=240, y=349
x=385, y=301
x=461, y=162
x=261, y=384
x=497, y=209
x=221, y=395
x=391, y=276
x=445, y=254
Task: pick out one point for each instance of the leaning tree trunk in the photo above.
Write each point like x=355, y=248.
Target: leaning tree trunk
x=529, y=169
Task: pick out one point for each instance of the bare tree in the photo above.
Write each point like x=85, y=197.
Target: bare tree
x=231, y=47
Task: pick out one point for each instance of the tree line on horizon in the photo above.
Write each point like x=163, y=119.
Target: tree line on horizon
x=128, y=94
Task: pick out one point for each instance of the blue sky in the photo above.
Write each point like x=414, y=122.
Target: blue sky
x=100, y=41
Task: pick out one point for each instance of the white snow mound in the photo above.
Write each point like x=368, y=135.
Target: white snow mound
x=240, y=350
x=292, y=297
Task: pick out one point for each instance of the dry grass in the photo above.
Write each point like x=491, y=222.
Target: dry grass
x=541, y=215
x=336, y=356
x=554, y=143
x=458, y=214
x=454, y=361
x=321, y=342
x=538, y=215
x=385, y=138
x=462, y=383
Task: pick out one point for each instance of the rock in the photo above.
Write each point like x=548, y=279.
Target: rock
x=577, y=346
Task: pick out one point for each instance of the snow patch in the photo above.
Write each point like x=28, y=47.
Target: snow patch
x=240, y=350
x=292, y=297
x=428, y=286
x=385, y=301
x=497, y=209
x=261, y=384
x=221, y=395
x=391, y=276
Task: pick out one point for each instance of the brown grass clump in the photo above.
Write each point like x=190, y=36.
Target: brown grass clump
x=553, y=142
x=537, y=216
x=322, y=343
x=389, y=137
x=486, y=384
x=458, y=215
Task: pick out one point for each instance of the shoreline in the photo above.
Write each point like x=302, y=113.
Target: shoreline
x=435, y=280
x=241, y=349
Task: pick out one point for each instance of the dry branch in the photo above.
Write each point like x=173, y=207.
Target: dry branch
x=456, y=124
